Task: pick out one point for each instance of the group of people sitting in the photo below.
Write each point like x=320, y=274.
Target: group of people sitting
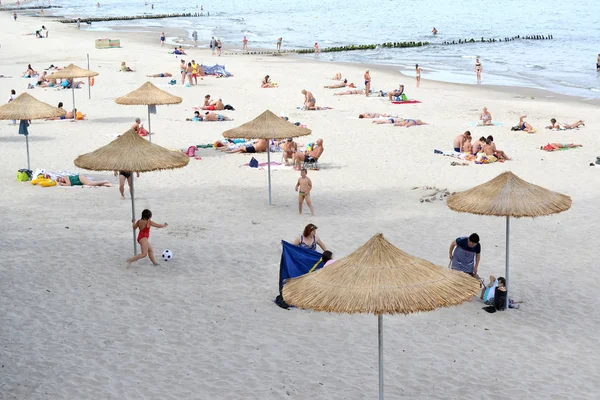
x=482, y=148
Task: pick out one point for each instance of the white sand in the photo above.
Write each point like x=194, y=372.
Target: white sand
x=75, y=324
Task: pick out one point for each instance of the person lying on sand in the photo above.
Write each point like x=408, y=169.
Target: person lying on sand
x=125, y=68
x=258, y=146
x=289, y=147
x=388, y=120
x=376, y=115
x=196, y=117
x=558, y=146
x=161, y=75
x=214, y=105
x=266, y=83
x=312, y=155
x=309, y=100
x=525, y=126
x=559, y=126
x=210, y=116
x=80, y=180
x=339, y=85
x=396, y=92
x=410, y=122
x=350, y=91
x=485, y=117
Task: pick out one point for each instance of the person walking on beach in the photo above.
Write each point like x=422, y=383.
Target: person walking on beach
x=418, y=70
x=245, y=44
x=144, y=225
x=162, y=39
x=478, y=69
x=124, y=175
x=213, y=45
x=304, y=187
x=15, y=16
x=219, y=47
x=317, y=51
x=279, y=41
x=78, y=23
x=465, y=254
x=367, y=83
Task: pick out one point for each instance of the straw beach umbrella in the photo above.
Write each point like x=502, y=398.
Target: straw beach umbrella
x=507, y=195
x=25, y=108
x=131, y=153
x=378, y=278
x=267, y=126
x=73, y=71
x=148, y=95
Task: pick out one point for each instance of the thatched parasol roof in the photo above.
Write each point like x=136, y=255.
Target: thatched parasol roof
x=379, y=278
x=72, y=71
x=267, y=126
x=509, y=195
x=130, y=152
x=148, y=94
x=27, y=107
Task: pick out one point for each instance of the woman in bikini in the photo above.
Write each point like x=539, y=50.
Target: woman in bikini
x=485, y=117
x=367, y=83
x=144, y=225
x=309, y=239
x=478, y=69
x=410, y=122
x=391, y=120
x=375, y=115
x=189, y=72
x=183, y=70
x=79, y=180
x=558, y=126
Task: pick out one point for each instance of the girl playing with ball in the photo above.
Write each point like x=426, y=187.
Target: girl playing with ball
x=144, y=225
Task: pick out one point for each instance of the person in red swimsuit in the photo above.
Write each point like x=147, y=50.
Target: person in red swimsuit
x=144, y=225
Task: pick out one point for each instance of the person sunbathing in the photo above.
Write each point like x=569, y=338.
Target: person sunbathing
x=42, y=81
x=258, y=146
x=339, y=85
x=214, y=105
x=558, y=126
x=410, y=122
x=289, y=147
x=30, y=73
x=349, y=91
x=558, y=146
x=210, y=116
x=497, y=153
x=478, y=145
x=125, y=68
x=161, y=75
x=139, y=127
x=367, y=115
x=70, y=83
x=485, y=117
x=309, y=100
x=79, y=180
x=308, y=156
x=196, y=117
x=337, y=77
x=396, y=92
x=388, y=120
x=525, y=126
x=266, y=83
x=488, y=151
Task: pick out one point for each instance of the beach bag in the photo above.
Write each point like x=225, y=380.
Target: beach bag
x=191, y=151
x=24, y=175
x=403, y=97
x=253, y=163
x=78, y=116
x=515, y=128
x=229, y=107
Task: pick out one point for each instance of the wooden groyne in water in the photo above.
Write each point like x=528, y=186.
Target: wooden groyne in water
x=17, y=8
x=132, y=17
x=506, y=39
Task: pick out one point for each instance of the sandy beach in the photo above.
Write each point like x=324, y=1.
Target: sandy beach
x=75, y=323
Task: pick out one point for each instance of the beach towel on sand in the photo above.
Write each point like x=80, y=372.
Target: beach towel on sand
x=406, y=102
x=295, y=261
x=316, y=109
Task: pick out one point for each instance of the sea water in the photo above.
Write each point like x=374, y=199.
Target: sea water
x=565, y=64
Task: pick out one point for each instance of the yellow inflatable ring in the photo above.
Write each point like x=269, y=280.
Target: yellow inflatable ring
x=47, y=183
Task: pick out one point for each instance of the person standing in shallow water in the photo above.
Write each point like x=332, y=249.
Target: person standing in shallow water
x=418, y=70
x=245, y=44
x=478, y=69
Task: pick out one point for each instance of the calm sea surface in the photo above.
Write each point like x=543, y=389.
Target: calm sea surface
x=566, y=64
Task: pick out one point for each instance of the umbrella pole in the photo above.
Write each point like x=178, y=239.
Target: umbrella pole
x=89, y=79
x=507, y=255
x=27, y=145
x=380, y=335
x=73, y=90
x=133, y=213
x=269, y=167
x=149, y=129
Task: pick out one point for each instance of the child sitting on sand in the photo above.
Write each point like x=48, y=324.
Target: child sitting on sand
x=304, y=187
